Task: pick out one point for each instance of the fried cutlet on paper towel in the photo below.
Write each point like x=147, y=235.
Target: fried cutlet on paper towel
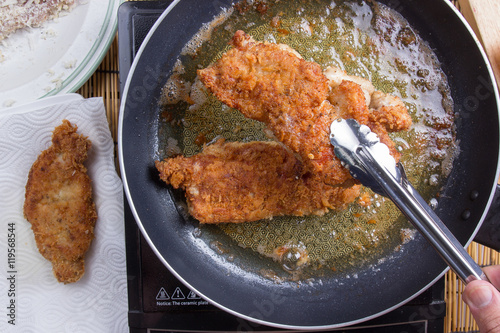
x=59, y=205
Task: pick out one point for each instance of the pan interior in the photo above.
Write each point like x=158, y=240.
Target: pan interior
x=366, y=39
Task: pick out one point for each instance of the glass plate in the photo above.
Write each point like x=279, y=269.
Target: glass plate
x=57, y=57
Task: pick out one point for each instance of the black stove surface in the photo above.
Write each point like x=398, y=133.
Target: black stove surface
x=158, y=302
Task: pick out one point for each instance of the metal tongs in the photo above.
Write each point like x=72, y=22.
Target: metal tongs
x=369, y=161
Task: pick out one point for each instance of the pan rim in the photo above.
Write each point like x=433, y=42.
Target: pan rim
x=497, y=99
x=177, y=275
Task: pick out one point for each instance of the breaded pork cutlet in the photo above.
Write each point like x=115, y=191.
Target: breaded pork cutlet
x=383, y=113
x=237, y=182
x=273, y=84
x=59, y=205
x=240, y=182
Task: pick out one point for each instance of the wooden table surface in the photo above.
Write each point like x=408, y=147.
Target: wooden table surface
x=483, y=15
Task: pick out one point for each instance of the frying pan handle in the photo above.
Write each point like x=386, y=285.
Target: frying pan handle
x=425, y=220
x=489, y=233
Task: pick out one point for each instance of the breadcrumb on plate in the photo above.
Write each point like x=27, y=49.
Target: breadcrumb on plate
x=18, y=14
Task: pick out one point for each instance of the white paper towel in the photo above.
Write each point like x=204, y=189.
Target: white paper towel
x=30, y=295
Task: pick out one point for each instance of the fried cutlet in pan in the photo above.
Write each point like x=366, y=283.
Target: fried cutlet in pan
x=59, y=205
x=271, y=83
x=236, y=182
x=240, y=182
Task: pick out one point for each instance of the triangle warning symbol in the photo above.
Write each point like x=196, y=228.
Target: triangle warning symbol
x=178, y=294
x=192, y=295
x=162, y=295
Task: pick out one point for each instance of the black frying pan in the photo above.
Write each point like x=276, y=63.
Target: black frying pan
x=334, y=302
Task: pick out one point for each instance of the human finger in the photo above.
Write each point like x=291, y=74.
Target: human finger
x=493, y=274
x=483, y=300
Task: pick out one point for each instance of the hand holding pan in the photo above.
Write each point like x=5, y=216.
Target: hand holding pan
x=369, y=161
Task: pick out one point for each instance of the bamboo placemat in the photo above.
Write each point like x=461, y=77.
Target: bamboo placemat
x=458, y=317
x=105, y=83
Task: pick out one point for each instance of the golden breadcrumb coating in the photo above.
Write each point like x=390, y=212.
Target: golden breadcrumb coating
x=59, y=205
x=272, y=84
x=239, y=182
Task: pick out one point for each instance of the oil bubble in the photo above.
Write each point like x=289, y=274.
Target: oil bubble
x=294, y=258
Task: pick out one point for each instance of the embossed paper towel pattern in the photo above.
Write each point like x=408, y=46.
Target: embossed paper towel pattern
x=31, y=299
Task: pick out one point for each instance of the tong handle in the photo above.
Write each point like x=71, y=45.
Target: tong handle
x=424, y=219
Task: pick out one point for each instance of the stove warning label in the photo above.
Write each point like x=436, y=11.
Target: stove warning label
x=162, y=295
x=178, y=298
x=178, y=294
x=192, y=295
